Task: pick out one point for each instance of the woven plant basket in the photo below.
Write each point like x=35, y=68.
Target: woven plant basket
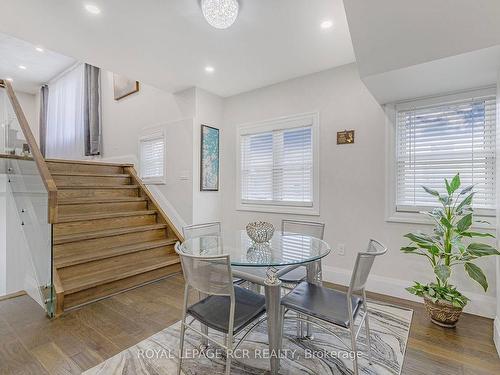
x=442, y=313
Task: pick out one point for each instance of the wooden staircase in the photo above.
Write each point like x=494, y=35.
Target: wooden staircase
x=109, y=234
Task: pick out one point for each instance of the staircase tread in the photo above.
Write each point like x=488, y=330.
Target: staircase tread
x=74, y=257
x=58, y=240
x=106, y=215
x=65, y=201
x=90, y=174
x=87, y=275
x=89, y=162
x=97, y=186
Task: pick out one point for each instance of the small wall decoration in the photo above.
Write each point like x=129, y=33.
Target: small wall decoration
x=345, y=137
x=124, y=86
x=209, y=159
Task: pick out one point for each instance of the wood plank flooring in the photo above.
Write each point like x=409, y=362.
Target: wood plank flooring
x=82, y=338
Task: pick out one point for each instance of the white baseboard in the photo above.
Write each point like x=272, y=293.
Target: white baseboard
x=496, y=333
x=479, y=304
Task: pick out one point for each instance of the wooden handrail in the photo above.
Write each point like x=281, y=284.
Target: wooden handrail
x=131, y=171
x=47, y=179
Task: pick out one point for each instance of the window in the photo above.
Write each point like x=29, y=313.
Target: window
x=152, y=158
x=441, y=137
x=278, y=165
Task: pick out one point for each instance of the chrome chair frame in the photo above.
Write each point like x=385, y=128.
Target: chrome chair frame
x=205, y=229
x=289, y=285
x=228, y=343
x=356, y=287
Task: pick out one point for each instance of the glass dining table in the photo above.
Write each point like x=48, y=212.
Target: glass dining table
x=264, y=264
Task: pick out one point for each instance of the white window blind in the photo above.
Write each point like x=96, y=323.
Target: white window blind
x=152, y=150
x=440, y=140
x=277, y=167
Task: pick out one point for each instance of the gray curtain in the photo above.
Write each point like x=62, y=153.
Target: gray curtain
x=92, y=110
x=44, y=100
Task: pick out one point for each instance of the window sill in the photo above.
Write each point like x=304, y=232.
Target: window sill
x=294, y=210
x=416, y=218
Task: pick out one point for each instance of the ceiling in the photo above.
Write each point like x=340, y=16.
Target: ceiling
x=410, y=49
x=167, y=43
x=394, y=34
x=40, y=66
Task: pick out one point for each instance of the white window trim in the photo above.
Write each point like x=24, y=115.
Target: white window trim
x=391, y=213
x=286, y=122
x=148, y=135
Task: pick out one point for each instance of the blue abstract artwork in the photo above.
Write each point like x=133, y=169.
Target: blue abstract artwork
x=209, y=164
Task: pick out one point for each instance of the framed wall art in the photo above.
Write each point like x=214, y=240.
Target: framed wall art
x=124, y=86
x=209, y=159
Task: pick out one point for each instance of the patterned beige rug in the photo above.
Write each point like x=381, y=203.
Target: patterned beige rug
x=325, y=354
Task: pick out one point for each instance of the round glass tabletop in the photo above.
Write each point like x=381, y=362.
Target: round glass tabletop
x=284, y=249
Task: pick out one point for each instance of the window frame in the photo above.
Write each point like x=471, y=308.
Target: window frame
x=413, y=215
x=147, y=136
x=281, y=123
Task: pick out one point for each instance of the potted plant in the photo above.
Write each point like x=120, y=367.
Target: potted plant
x=445, y=249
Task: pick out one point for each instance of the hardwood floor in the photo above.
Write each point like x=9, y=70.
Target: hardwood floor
x=82, y=338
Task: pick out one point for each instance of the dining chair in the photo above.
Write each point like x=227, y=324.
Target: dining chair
x=322, y=305
x=309, y=228
x=228, y=308
x=205, y=229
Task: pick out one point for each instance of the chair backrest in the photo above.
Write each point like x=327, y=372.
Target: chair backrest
x=364, y=262
x=309, y=228
x=210, y=275
x=198, y=230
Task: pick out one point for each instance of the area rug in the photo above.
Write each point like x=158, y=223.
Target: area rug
x=324, y=354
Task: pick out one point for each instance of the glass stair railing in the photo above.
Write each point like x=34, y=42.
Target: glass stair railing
x=30, y=197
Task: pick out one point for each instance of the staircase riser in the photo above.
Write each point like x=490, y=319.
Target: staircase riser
x=110, y=242
x=88, y=295
x=90, y=180
x=103, y=224
x=85, y=168
x=116, y=262
x=96, y=256
x=76, y=209
x=96, y=193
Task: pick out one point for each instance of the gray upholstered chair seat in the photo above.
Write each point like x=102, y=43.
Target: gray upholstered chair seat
x=294, y=276
x=323, y=303
x=213, y=311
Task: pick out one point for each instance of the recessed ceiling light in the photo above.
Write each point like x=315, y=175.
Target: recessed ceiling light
x=91, y=8
x=209, y=69
x=39, y=49
x=326, y=24
x=22, y=67
x=9, y=79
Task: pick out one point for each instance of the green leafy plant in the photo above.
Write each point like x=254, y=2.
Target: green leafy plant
x=445, y=247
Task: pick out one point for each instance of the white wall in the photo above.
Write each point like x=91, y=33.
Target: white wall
x=124, y=119
x=3, y=235
x=180, y=115
x=496, y=327
x=123, y=122
x=352, y=179
x=206, y=204
x=29, y=104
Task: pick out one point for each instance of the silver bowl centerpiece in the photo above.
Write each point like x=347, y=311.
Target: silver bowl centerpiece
x=260, y=231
